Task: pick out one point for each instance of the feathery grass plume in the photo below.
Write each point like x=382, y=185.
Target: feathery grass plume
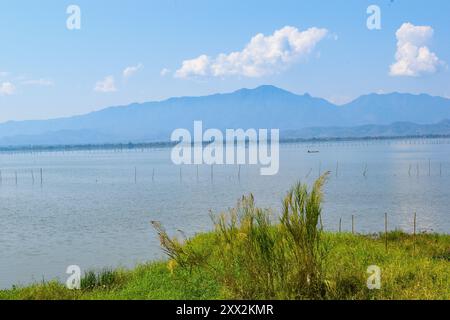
x=183, y=253
x=256, y=257
x=300, y=223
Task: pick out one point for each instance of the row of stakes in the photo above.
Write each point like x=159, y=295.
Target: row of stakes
x=135, y=175
x=364, y=172
x=32, y=177
x=385, y=228
x=366, y=169
x=181, y=173
x=125, y=148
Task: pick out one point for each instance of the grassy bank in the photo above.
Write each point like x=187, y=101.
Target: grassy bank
x=423, y=274
x=254, y=253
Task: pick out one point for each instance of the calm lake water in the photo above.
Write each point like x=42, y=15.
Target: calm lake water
x=91, y=212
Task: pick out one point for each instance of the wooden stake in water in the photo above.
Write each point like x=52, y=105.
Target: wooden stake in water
x=309, y=173
x=32, y=176
x=385, y=230
x=409, y=170
x=153, y=175
x=414, y=231
x=41, y=177
x=337, y=168
x=239, y=173
x=181, y=175
x=15, y=174
x=340, y=225
x=353, y=224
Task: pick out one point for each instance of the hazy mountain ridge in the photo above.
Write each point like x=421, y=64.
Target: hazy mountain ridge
x=262, y=107
x=398, y=129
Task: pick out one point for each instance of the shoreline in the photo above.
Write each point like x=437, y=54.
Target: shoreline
x=127, y=146
x=424, y=274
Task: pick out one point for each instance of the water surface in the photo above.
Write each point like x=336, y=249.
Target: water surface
x=94, y=210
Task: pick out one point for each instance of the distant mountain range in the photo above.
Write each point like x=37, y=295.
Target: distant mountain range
x=397, y=129
x=298, y=116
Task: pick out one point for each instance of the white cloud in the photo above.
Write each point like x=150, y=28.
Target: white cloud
x=4, y=74
x=39, y=82
x=130, y=71
x=413, y=57
x=262, y=55
x=106, y=85
x=164, y=72
x=195, y=67
x=7, y=89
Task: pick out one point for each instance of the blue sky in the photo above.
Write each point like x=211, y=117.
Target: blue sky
x=49, y=71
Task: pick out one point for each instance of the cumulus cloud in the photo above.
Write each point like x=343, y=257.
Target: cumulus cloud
x=263, y=55
x=413, y=57
x=106, y=85
x=130, y=71
x=7, y=89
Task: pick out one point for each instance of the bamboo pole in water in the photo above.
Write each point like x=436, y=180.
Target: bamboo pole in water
x=385, y=230
x=309, y=173
x=353, y=224
x=340, y=225
x=337, y=169
x=414, y=230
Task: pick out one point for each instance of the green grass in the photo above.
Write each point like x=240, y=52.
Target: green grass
x=256, y=254
x=423, y=274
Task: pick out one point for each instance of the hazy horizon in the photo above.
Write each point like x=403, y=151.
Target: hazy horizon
x=224, y=93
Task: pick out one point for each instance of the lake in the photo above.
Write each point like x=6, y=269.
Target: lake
x=93, y=208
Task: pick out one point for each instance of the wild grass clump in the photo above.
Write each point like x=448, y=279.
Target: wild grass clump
x=258, y=257
x=103, y=279
x=182, y=253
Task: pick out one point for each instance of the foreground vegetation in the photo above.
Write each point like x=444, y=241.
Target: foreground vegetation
x=256, y=254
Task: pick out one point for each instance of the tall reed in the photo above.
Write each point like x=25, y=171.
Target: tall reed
x=257, y=255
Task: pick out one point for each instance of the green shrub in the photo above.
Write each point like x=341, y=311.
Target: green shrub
x=255, y=258
x=104, y=279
